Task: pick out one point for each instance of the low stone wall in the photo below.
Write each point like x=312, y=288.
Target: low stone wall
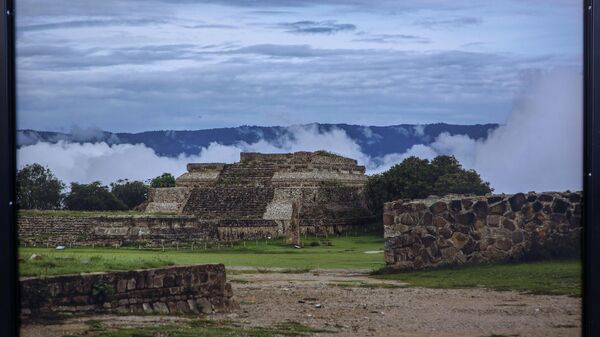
x=173, y=290
x=145, y=231
x=163, y=231
x=464, y=229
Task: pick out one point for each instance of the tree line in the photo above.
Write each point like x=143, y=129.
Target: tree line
x=413, y=178
x=39, y=188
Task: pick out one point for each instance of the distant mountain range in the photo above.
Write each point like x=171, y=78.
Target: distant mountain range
x=375, y=141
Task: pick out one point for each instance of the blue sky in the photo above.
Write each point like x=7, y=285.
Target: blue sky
x=132, y=65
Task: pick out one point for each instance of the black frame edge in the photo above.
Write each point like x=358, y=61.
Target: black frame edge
x=8, y=253
x=591, y=277
x=591, y=105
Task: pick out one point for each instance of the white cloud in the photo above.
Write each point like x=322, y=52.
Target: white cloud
x=539, y=148
x=86, y=162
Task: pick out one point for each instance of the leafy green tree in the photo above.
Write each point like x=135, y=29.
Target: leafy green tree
x=164, y=180
x=92, y=197
x=416, y=178
x=132, y=193
x=38, y=188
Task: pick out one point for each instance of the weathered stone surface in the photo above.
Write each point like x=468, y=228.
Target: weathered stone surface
x=517, y=201
x=480, y=208
x=466, y=219
x=455, y=205
x=439, y=221
x=484, y=229
x=179, y=289
x=498, y=208
x=459, y=240
x=493, y=220
x=508, y=224
x=438, y=207
x=560, y=206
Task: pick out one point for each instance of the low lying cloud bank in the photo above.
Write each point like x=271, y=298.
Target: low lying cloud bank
x=538, y=148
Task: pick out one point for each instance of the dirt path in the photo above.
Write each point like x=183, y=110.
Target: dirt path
x=352, y=304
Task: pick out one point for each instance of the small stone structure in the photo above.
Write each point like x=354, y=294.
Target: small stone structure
x=172, y=290
x=476, y=229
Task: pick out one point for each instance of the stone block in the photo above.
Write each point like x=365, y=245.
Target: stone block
x=160, y=308
x=438, y=207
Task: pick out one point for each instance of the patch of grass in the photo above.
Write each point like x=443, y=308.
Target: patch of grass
x=362, y=284
x=58, y=264
x=208, y=328
x=67, y=213
x=346, y=253
x=241, y=281
x=543, y=278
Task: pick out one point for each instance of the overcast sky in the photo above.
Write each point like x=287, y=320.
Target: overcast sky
x=134, y=65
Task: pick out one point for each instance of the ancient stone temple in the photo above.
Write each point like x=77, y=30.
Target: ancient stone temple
x=260, y=190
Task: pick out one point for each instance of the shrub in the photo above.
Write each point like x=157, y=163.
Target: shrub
x=92, y=197
x=164, y=180
x=38, y=188
x=416, y=178
x=132, y=193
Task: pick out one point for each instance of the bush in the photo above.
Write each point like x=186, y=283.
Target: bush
x=132, y=193
x=38, y=188
x=92, y=197
x=164, y=180
x=416, y=178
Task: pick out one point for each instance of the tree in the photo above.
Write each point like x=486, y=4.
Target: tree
x=92, y=197
x=38, y=188
x=164, y=180
x=132, y=193
x=416, y=178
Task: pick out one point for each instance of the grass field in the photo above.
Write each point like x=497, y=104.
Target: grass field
x=345, y=252
x=547, y=277
x=363, y=252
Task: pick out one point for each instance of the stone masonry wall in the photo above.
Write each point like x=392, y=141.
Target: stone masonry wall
x=465, y=229
x=146, y=231
x=172, y=290
x=160, y=231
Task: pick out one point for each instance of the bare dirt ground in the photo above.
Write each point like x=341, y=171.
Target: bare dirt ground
x=352, y=304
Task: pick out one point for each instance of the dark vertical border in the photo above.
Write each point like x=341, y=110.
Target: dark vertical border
x=591, y=283
x=8, y=258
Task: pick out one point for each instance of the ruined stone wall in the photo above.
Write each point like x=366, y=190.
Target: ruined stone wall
x=171, y=290
x=159, y=231
x=145, y=231
x=464, y=229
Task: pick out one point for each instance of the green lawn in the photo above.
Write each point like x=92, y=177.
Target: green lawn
x=547, y=277
x=345, y=252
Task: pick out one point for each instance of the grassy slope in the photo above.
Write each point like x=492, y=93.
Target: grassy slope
x=547, y=277
x=346, y=252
